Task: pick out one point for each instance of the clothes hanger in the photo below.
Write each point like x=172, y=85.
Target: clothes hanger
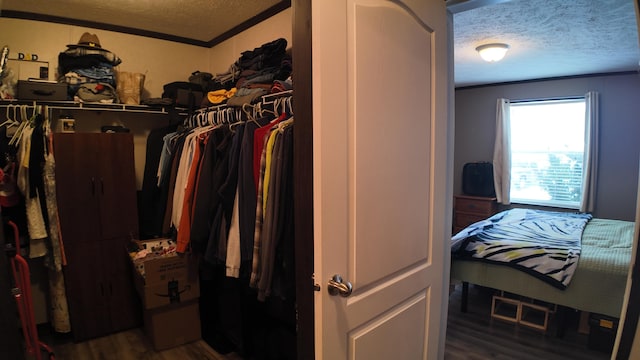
x=219, y=118
x=289, y=105
x=24, y=121
x=249, y=112
x=11, y=121
x=267, y=111
x=234, y=122
x=278, y=106
x=225, y=117
x=231, y=115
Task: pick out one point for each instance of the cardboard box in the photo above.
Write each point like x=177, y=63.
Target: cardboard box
x=167, y=280
x=173, y=325
x=45, y=91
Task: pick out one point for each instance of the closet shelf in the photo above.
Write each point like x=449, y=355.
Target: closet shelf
x=71, y=105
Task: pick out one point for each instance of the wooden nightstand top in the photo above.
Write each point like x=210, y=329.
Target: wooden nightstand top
x=478, y=198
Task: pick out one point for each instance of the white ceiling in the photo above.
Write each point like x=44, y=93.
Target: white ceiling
x=548, y=38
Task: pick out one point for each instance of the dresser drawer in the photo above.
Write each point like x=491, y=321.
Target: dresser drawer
x=484, y=207
x=463, y=220
x=471, y=209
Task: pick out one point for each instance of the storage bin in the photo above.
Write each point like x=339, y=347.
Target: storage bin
x=602, y=332
x=35, y=90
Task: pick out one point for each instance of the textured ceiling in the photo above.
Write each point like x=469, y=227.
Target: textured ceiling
x=548, y=38
x=200, y=20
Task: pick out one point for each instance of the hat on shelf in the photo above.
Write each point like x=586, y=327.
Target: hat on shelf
x=87, y=41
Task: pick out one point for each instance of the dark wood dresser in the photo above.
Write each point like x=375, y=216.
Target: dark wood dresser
x=469, y=209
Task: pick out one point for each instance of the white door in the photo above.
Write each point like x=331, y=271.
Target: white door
x=382, y=177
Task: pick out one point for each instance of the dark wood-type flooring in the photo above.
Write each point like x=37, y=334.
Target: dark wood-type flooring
x=470, y=336
x=128, y=345
x=475, y=336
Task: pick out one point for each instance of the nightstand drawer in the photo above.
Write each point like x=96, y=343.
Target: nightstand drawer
x=471, y=209
x=475, y=206
x=463, y=220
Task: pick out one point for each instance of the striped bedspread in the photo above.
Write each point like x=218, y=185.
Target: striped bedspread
x=544, y=244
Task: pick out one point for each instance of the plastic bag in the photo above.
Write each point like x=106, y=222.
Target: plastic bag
x=129, y=87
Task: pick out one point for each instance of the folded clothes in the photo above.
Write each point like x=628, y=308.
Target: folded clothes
x=250, y=91
x=96, y=92
x=110, y=57
x=281, y=85
x=247, y=99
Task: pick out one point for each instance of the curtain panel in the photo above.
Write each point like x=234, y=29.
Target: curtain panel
x=502, y=152
x=591, y=135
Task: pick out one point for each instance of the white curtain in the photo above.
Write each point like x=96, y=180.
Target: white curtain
x=590, y=152
x=502, y=153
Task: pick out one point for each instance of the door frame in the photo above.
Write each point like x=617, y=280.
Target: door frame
x=303, y=178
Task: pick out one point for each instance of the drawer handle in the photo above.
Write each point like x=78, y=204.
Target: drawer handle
x=44, y=92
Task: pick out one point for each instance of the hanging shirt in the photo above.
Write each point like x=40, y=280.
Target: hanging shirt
x=184, y=229
x=259, y=142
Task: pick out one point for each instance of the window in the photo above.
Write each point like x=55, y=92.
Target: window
x=547, y=146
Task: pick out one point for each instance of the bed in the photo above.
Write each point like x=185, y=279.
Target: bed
x=597, y=284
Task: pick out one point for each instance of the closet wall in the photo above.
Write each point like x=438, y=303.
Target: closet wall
x=162, y=61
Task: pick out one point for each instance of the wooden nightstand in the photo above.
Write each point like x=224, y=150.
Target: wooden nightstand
x=469, y=209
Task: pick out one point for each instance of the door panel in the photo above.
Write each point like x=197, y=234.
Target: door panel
x=390, y=183
x=382, y=169
x=404, y=324
x=76, y=159
x=87, y=291
x=124, y=304
x=117, y=188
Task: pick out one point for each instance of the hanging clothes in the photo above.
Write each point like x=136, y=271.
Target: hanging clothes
x=207, y=197
x=35, y=179
x=217, y=245
x=215, y=198
x=271, y=208
x=29, y=184
x=150, y=197
x=215, y=203
x=247, y=194
x=195, y=142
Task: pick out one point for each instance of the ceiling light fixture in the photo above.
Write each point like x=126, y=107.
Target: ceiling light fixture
x=492, y=52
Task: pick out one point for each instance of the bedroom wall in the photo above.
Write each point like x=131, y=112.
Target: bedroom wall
x=475, y=113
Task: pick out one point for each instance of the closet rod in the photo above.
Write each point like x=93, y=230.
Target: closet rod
x=277, y=95
x=70, y=105
x=212, y=108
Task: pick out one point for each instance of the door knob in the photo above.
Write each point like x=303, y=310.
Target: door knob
x=336, y=286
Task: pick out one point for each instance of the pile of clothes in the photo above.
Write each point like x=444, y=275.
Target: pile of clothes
x=87, y=68
x=257, y=72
